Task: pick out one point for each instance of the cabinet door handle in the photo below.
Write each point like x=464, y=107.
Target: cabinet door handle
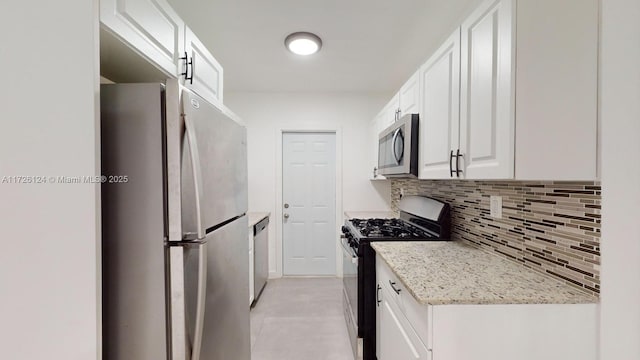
x=186, y=67
x=393, y=286
x=186, y=77
x=451, y=164
x=458, y=155
x=378, y=301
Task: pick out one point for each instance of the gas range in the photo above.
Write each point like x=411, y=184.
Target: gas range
x=421, y=219
x=385, y=230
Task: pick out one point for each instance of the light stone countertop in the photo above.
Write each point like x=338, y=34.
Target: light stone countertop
x=255, y=217
x=453, y=272
x=369, y=214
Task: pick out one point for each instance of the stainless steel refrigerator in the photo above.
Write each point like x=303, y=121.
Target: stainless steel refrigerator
x=175, y=266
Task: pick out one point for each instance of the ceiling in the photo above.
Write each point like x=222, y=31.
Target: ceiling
x=369, y=46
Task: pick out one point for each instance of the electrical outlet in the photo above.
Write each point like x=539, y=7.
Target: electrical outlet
x=495, y=206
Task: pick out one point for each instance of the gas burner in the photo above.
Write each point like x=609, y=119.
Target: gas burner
x=388, y=228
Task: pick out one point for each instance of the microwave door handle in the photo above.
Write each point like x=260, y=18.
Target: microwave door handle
x=393, y=145
x=201, y=299
x=197, y=176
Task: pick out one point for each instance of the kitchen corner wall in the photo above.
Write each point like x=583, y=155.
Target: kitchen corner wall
x=266, y=114
x=550, y=227
x=50, y=270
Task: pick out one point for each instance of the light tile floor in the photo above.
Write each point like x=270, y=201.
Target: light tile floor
x=300, y=318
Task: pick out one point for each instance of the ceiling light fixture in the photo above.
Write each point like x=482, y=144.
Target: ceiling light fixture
x=303, y=43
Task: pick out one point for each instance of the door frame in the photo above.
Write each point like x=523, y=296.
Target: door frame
x=337, y=130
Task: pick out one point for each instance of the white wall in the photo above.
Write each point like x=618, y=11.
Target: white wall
x=267, y=113
x=620, y=117
x=48, y=261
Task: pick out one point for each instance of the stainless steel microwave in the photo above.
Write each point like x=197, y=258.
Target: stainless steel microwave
x=398, y=148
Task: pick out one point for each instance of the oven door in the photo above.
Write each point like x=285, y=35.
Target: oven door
x=398, y=148
x=350, y=276
x=350, y=299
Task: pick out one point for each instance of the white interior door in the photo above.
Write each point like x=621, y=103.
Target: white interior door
x=309, y=201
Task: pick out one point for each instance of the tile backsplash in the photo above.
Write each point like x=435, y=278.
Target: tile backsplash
x=549, y=226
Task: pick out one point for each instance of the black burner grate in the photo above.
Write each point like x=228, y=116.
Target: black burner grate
x=388, y=228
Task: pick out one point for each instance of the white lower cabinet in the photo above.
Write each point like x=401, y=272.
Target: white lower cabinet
x=406, y=329
x=396, y=338
x=514, y=331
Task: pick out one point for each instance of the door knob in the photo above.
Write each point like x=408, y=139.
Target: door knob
x=286, y=216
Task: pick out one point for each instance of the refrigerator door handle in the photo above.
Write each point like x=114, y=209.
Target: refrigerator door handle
x=197, y=178
x=200, y=305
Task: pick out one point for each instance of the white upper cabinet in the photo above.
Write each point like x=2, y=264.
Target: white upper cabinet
x=409, y=96
x=527, y=94
x=405, y=101
x=204, y=74
x=151, y=27
x=557, y=89
x=487, y=120
x=391, y=112
x=139, y=35
x=439, y=80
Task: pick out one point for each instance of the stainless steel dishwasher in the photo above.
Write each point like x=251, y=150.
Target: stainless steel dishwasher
x=261, y=256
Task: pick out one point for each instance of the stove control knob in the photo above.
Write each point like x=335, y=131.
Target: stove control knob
x=345, y=229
